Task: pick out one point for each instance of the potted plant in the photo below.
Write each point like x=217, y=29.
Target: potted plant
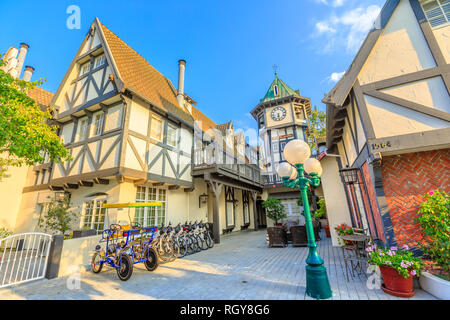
x=434, y=219
x=274, y=210
x=343, y=230
x=398, y=267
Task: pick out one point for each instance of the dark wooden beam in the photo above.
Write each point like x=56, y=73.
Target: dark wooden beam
x=174, y=187
x=71, y=186
x=189, y=189
x=158, y=184
x=86, y=183
x=101, y=181
x=56, y=188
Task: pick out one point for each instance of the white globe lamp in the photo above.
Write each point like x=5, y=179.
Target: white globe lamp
x=313, y=166
x=284, y=169
x=296, y=152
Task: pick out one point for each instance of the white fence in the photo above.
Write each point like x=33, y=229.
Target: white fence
x=23, y=258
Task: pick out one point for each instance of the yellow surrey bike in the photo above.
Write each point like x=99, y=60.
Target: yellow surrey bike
x=126, y=245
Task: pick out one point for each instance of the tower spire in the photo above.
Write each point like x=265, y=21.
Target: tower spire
x=275, y=69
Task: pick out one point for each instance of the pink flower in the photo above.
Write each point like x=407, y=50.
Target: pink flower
x=394, y=248
x=406, y=247
x=431, y=192
x=388, y=262
x=413, y=272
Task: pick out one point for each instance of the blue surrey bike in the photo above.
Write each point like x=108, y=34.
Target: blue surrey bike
x=126, y=246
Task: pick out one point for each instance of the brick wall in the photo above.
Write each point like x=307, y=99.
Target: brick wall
x=406, y=178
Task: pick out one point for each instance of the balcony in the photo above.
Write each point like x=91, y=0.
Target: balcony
x=228, y=167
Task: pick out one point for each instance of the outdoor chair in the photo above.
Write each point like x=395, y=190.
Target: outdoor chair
x=299, y=236
x=355, y=256
x=277, y=237
x=316, y=226
x=287, y=228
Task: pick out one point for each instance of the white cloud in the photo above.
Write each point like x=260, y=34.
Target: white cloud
x=335, y=76
x=334, y=3
x=347, y=29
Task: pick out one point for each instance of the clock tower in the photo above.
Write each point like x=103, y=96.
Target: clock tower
x=282, y=116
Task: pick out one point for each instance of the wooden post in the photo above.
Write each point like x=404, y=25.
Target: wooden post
x=217, y=190
x=255, y=211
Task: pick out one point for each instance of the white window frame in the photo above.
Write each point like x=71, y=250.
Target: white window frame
x=93, y=219
x=83, y=132
x=99, y=61
x=85, y=68
x=276, y=92
x=156, y=119
x=151, y=216
x=442, y=15
x=98, y=121
x=175, y=132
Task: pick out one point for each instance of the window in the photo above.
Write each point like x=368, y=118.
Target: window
x=94, y=215
x=83, y=129
x=99, y=61
x=98, y=123
x=245, y=200
x=275, y=90
x=261, y=120
x=85, y=68
x=230, y=206
x=437, y=11
x=156, y=131
x=151, y=216
x=172, y=136
x=299, y=113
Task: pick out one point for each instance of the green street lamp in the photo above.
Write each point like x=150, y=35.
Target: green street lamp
x=297, y=153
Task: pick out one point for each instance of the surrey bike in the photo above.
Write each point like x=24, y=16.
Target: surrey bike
x=124, y=248
x=126, y=245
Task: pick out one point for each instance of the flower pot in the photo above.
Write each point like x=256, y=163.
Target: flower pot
x=434, y=285
x=394, y=283
x=327, y=231
x=323, y=222
x=278, y=224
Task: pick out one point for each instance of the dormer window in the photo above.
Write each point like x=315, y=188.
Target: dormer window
x=99, y=61
x=275, y=90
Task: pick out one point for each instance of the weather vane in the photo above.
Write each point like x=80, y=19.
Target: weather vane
x=275, y=69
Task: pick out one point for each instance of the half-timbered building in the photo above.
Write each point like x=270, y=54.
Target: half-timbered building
x=131, y=137
x=389, y=120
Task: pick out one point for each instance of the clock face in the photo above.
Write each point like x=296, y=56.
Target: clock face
x=278, y=114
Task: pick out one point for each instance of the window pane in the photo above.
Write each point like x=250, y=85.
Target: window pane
x=172, y=135
x=230, y=214
x=156, y=131
x=98, y=124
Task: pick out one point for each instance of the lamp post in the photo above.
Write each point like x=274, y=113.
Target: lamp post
x=297, y=153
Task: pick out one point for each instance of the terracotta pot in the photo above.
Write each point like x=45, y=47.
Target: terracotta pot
x=278, y=224
x=394, y=283
x=327, y=231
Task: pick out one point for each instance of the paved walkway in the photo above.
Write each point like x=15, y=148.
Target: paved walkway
x=241, y=267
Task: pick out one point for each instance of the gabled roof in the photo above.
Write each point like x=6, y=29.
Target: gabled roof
x=283, y=90
x=225, y=126
x=202, y=120
x=41, y=96
x=138, y=76
x=341, y=90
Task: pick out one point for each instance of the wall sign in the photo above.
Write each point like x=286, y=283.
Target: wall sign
x=377, y=146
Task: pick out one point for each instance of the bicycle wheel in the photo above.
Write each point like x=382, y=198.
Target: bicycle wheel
x=209, y=240
x=174, y=250
x=201, y=242
x=126, y=267
x=96, y=263
x=181, y=243
x=152, y=259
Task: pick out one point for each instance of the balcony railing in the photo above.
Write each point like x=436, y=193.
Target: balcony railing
x=204, y=159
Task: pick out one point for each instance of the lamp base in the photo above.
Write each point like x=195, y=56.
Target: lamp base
x=317, y=284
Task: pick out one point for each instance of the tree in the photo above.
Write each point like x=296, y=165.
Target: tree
x=317, y=127
x=58, y=216
x=25, y=135
x=274, y=209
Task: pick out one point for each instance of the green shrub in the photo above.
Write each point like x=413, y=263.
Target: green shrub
x=321, y=212
x=274, y=209
x=434, y=220
x=4, y=233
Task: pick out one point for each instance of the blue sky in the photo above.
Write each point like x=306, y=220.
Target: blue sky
x=230, y=46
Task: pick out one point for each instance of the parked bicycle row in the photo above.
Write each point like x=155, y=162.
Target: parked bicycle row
x=129, y=245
